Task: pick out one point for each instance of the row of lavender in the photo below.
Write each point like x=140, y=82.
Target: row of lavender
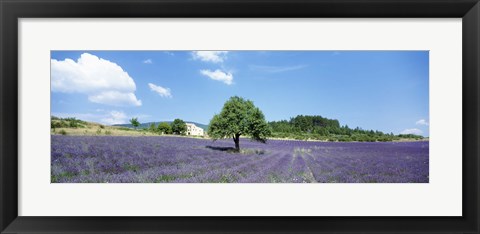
x=101, y=159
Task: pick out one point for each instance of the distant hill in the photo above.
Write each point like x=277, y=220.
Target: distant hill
x=147, y=125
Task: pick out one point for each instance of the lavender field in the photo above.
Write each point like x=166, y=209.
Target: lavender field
x=116, y=159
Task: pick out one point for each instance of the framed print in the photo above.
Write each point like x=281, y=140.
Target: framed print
x=268, y=116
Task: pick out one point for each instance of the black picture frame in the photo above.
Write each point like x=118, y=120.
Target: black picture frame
x=12, y=10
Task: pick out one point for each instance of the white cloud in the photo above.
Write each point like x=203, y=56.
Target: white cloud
x=104, y=117
x=147, y=61
x=163, y=92
x=115, y=98
x=219, y=75
x=95, y=77
x=415, y=131
x=210, y=56
x=276, y=69
x=115, y=117
x=422, y=122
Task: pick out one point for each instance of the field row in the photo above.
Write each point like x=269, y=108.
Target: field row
x=114, y=159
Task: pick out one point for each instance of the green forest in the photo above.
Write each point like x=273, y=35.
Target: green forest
x=303, y=127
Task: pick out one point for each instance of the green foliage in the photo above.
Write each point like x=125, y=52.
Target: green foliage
x=164, y=128
x=319, y=128
x=125, y=129
x=179, y=127
x=134, y=122
x=239, y=117
x=410, y=136
x=56, y=122
x=152, y=127
x=72, y=122
x=63, y=132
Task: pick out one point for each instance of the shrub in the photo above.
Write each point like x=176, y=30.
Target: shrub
x=63, y=132
x=72, y=122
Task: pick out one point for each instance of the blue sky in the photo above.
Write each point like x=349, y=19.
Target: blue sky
x=380, y=90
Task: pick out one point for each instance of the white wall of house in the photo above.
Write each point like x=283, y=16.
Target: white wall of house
x=193, y=130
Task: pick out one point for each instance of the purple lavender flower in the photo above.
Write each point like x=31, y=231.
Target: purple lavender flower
x=114, y=159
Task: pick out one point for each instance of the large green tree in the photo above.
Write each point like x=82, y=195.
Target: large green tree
x=179, y=127
x=239, y=117
x=164, y=128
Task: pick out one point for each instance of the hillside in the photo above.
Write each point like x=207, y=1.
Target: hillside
x=72, y=126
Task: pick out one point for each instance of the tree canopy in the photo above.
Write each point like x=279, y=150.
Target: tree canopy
x=152, y=127
x=164, y=128
x=179, y=127
x=239, y=117
x=134, y=122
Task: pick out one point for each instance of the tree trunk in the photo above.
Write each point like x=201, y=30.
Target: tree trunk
x=236, y=139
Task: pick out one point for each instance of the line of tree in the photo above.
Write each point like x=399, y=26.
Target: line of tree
x=316, y=127
x=177, y=127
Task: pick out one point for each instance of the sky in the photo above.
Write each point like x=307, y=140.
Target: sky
x=380, y=90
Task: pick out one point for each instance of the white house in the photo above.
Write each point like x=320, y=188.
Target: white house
x=193, y=130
